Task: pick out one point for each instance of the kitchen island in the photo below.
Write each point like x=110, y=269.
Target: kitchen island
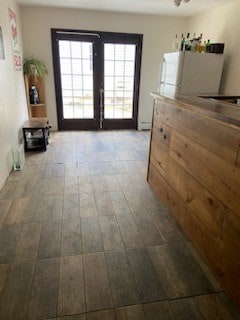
x=194, y=167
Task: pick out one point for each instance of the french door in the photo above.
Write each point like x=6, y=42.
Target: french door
x=97, y=77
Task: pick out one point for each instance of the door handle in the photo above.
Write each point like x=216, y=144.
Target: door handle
x=101, y=91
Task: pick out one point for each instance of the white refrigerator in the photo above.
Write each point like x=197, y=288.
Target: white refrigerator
x=187, y=72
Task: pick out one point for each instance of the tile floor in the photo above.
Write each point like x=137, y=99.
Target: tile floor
x=84, y=237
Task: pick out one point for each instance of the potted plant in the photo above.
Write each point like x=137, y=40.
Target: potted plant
x=34, y=67
x=34, y=70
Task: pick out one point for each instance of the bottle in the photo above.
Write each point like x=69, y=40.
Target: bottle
x=208, y=46
x=194, y=43
x=182, y=46
x=175, y=44
x=33, y=95
x=188, y=42
x=199, y=43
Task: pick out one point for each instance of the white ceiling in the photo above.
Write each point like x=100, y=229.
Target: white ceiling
x=159, y=7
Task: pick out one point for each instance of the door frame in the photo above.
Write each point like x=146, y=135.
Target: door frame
x=98, y=38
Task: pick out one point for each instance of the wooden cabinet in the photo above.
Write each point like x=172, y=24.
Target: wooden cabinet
x=194, y=168
x=36, y=110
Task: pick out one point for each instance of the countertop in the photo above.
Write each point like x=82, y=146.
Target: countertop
x=216, y=109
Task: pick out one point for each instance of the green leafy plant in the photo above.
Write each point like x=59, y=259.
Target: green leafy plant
x=34, y=67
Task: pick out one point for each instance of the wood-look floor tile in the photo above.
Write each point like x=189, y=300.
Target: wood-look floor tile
x=53, y=207
x=85, y=184
x=130, y=234
x=50, y=241
x=4, y=207
x=125, y=182
x=139, y=181
x=9, y=235
x=158, y=311
x=99, y=183
x=43, y=298
x=71, y=297
x=131, y=313
x=205, y=268
x=4, y=270
x=44, y=171
x=185, y=309
x=40, y=188
x=123, y=286
x=134, y=201
x=47, y=158
x=14, y=302
x=83, y=169
x=81, y=158
x=71, y=243
x=17, y=211
x=73, y=317
x=71, y=170
x=55, y=186
x=112, y=183
x=92, y=155
x=147, y=229
x=16, y=175
x=147, y=281
x=150, y=200
x=212, y=308
x=70, y=158
x=167, y=268
x=168, y=230
x=71, y=185
x=118, y=167
x=111, y=235
x=33, y=158
x=97, y=286
x=71, y=208
x=91, y=235
x=59, y=157
x=9, y=190
x=30, y=171
x=124, y=156
x=102, y=315
x=98, y=168
x=131, y=166
x=25, y=188
x=119, y=202
x=58, y=170
x=104, y=203
x=35, y=210
x=87, y=205
x=27, y=246
x=190, y=271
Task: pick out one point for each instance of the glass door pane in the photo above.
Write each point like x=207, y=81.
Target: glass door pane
x=76, y=68
x=119, y=72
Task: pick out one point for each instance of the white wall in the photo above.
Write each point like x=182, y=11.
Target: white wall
x=223, y=25
x=158, y=36
x=13, y=110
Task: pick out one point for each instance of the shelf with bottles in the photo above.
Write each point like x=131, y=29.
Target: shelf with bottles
x=196, y=44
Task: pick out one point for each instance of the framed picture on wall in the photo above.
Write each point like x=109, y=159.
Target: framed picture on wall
x=2, y=52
